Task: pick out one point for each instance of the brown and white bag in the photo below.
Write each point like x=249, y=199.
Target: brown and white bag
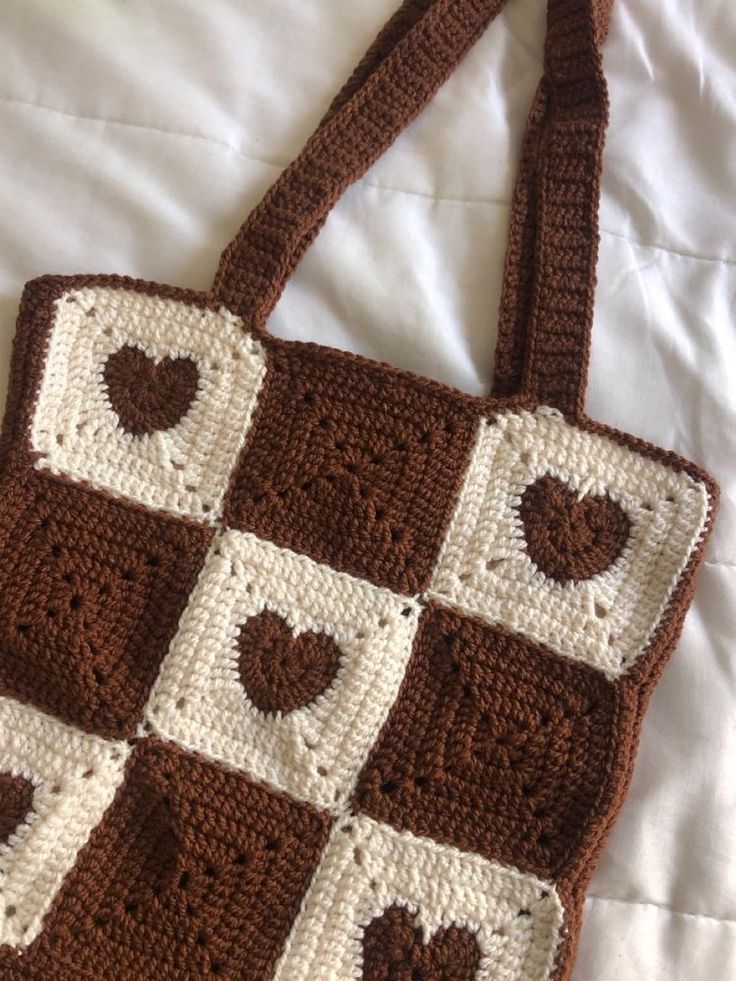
x=311, y=668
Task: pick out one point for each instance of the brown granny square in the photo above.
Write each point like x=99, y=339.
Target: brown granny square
x=174, y=884
x=494, y=745
x=92, y=590
x=352, y=467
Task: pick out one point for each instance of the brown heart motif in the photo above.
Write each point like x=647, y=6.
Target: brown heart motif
x=281, y=672
x=149, y=396
x=569, y=539
x=16, y=800
x=393, y=950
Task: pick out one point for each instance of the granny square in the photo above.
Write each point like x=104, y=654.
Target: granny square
x=173, y=858
x=55, y=785
x=385, y=904
x=91, y=590
x=146, y=397
x=284, y=668
x=496, y=746
x=348, y=667
x=569, y=537
x=351, y=467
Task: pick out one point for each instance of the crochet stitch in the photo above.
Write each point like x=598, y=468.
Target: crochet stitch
x=311, y=668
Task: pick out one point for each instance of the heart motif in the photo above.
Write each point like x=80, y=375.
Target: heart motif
x=147, y=395
x=84, y=608
x=394, y=950
x=16, y=800
x=571, y=540
x=281, y=672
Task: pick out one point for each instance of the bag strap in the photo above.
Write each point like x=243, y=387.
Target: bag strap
x=546, y=310
x=411, y=58
x=545, y=315
x=394, y=31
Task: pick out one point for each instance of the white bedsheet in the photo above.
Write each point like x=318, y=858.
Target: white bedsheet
x=136, y=135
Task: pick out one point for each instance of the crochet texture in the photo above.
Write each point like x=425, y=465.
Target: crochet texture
x=310, y=668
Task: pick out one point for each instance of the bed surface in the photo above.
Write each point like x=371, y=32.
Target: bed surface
x=136, y=136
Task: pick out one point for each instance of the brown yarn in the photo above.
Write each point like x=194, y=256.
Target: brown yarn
x=422, y=50
x=549, y=276
x=148, y=396
x=571, y=539
x=554, y=239
x=175, y=875
x=391, y=477
x=495, y=744
x=395, y=950
x=490, y=723
x=632, y=692
x=281, y=672
x=16, y=801
x=92, y=590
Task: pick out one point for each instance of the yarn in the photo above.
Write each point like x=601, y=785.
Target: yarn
x=311, y=668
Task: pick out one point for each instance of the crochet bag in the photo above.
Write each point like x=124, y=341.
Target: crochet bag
x=312, y=668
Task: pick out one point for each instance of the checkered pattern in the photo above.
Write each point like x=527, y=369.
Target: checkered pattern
x=467, y=716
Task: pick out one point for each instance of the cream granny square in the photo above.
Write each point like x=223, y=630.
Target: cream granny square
x=484, y=568
x=185, y=468
x=369, y=868
x=315, y=750
x=74, y=776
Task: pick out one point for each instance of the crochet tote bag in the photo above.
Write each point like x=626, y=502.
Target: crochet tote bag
x=311, y=668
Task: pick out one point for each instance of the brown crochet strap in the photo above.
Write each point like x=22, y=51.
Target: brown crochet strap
x=547, y=303
x=395, y=29
x=411, y=58
x=546, y=310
